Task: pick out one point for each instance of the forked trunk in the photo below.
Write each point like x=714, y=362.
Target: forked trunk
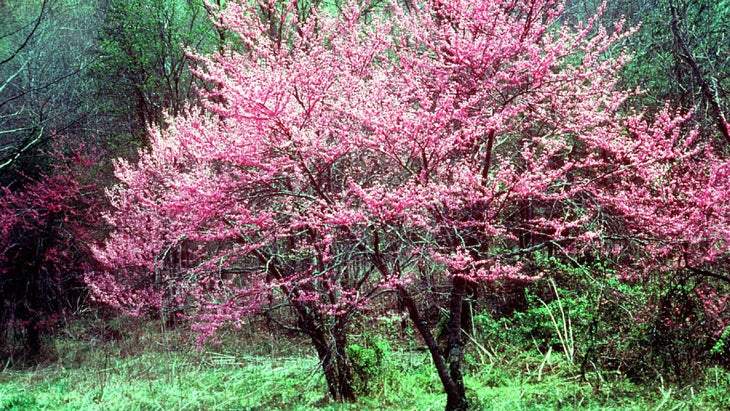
x=448, y=362
x=330, y=348
x=335, y=368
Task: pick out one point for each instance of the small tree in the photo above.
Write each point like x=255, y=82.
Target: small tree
x=46, y=225
x=259, y=188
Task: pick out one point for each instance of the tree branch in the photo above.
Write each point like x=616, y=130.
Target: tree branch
x=30, y=35
x=707, y=273
x=686, y=55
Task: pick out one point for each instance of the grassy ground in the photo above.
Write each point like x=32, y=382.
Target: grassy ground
x=152, y=372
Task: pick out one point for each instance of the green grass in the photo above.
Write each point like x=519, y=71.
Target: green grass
x=151, y=372
x=158, y=381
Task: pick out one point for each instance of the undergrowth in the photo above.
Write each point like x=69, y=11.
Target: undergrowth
x=150, y=369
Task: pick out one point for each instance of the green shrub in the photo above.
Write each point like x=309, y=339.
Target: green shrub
x=644, y=328
x=370, y=363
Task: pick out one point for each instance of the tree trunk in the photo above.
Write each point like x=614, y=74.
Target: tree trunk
x=32, y=339
x=455, y=348
x=331, y=354
x=334, y=366
x=344, y=372
x=330, y=344
x=447, y=367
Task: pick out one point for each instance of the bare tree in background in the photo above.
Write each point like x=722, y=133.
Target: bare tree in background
x=45, y=49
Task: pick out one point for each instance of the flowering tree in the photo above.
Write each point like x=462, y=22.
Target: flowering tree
x=257, y=190
x=505, y=134
x=45, y=226
x=676, y=231
x=344, y=156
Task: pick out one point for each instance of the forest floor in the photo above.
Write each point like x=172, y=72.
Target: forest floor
x=155, y=370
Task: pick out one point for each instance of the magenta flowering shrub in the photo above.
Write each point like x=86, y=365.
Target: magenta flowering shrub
x=47, y=220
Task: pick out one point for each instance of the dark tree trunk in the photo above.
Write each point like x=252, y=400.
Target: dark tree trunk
x=448, y=361
x=330, y=343
x=344, y=372
x=32, y=339
x=448, y=365
x=37, y=289
x=332, y=356
x=455, y=348
x=336, y=371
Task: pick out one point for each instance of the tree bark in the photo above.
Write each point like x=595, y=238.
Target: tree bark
x=448, y=368
x=332, y=356
x=338, y=383
x=344, y=373
x=455, y=347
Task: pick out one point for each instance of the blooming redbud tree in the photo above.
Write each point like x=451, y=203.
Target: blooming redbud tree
x=343, y=156
x=499, y=132
x=676, y=233
x=503, y=136
x=258, y=189
x=47, y=219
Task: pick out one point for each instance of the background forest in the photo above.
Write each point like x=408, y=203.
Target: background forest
x=511, y=204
